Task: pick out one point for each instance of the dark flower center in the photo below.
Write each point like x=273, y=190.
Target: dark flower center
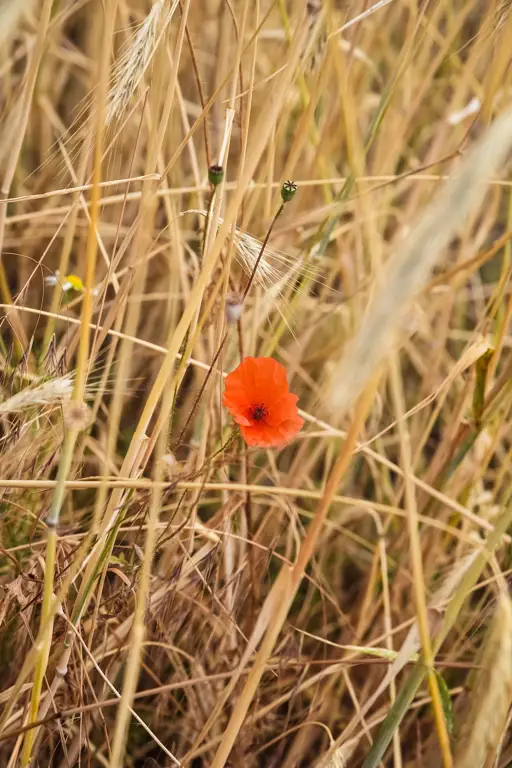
x=258, y=412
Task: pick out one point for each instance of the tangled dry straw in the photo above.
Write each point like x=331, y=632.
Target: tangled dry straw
x=338, y=593
x=11, y=13
x=410, y=268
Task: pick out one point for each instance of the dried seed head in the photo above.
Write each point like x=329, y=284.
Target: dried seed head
x=136, y=57
x=340, y=757
x=77, y=416
x=275, y=268
x=52, y=392
x=247, y=251
x=318, y=52
x=234, y=307
x=288, y=191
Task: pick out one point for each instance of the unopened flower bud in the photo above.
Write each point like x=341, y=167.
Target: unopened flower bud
x=215, y=175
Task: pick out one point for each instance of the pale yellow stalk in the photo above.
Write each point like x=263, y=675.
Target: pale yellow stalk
x=417, y=561
x=15, y=150
x=78, y=390
x=137, y=634
x=277, y=604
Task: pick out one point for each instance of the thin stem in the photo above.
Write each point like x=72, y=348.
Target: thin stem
x=278, y=602
x=65, y=253
x=138, y=630
x=14, y=154
x=262, y=249
x=44, y=645
x=79, y=382
x=224, y=338
x=417, y=563
x=199, y=89
x=202, y=388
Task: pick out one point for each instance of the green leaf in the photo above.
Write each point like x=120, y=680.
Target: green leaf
x=482, y=367
x=395, y=716
x=446, y=701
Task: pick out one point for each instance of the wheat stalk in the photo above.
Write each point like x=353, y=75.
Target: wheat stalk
x=491, y=693
x=79, y=386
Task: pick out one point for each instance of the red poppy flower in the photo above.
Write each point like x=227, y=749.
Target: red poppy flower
x=258, y=398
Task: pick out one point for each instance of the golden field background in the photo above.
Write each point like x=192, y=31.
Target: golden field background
x=168, y=595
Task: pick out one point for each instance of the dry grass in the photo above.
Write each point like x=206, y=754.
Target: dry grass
x=169, y=596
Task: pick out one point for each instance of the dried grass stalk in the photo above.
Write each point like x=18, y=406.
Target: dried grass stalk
x=410, y=647
x=11, y=12
x=409, y=270
x=340, y=757
x=491, y=696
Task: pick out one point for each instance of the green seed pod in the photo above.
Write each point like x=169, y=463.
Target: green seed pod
x=288, y=191
x=215, y=175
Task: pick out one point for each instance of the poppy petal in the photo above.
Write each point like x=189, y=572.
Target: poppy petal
x=282, y=410
x=258, y=398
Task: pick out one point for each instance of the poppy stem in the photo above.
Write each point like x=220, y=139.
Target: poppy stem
x=232, y=437
x=248, y=504
x=248, y=500
x=262, y=249
x=248, y=507
x=246, y=291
